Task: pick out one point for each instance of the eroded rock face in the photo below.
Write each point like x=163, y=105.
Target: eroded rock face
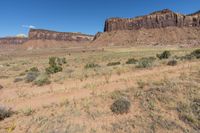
x=13, y=40
x=159, y=19
x=38, y=34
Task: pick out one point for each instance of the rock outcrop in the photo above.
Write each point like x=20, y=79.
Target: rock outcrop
x=159, y=19
x=39, y=34
x=13, y=40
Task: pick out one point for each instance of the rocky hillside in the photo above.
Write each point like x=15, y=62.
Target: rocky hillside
x=13, y=40
x=158, y=28
x=39, y=34
x=159, y=19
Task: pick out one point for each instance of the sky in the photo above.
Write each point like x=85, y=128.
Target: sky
x=86, y=16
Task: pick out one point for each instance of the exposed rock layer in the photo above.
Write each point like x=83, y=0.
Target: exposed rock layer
x=13, y=40
x=159, y=19
x=38, y=34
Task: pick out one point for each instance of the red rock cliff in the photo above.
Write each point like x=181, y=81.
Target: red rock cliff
x=159, y=19
x=39, y=34
x=13, y=40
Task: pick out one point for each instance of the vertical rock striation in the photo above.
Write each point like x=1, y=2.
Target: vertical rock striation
x=159, y=19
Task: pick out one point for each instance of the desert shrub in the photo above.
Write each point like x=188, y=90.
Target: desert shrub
x=34, y=69
x=192, y=55
x=53, y=69
x=196, y=53
x=64, y=60
x=120, y=106
x=131, y=61
x=91, y=65
x=145, y=63
x=172, y=63
x=164, y=55
x=196, y=108
x=188, y=57
x=31, y=76
x=55, y=65
x=42, y=79
x=1, y=87
x=5, y=112
x=18, y=80
x=113, y=63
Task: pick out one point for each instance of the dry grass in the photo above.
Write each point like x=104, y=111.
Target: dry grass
x=163, y=98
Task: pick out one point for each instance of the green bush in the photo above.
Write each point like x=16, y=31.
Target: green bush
x=113, y=63
x=196, y=53
x=120, y=106
x=188, y=57
x=91, y=65
x=145, y=62
x=5, y=112
x=53, y=69
x=55, y=65
x=172, y=63
x=193, y=55
x=42, y=79
x=164, y=55
x=131, y=61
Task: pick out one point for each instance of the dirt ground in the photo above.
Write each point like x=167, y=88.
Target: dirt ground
x=163, y=98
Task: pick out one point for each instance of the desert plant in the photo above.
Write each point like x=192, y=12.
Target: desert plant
x=196, y=53
x=34, y=69
x=53, y=69
x=165, y=55
x=145, y=63
x=172, y=63
x=55, y=65
x=64, y=60
x=120, y=106
x=18, y=79
x=42, y=79
x=1, y=87
x=131, y=61
x=91, y=65
x=31, y=76
x=5, y=112
x=113, y=63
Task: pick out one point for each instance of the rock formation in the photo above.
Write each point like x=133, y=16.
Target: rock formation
x=159, y=19
x=38, y=34
x=13, y=40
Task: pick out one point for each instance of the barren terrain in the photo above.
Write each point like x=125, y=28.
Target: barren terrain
x=78, y=99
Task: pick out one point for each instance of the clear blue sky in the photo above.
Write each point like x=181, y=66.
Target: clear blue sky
x=85, y=16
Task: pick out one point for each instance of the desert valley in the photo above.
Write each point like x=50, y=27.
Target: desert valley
x=141, y=75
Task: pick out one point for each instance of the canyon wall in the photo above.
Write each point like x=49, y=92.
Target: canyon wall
x=159, y=19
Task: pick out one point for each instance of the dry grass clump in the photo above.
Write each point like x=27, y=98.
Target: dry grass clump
x=120, y=106
x=42, y=79
x=113, y=63
x=91, y=65
x=172, y=63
